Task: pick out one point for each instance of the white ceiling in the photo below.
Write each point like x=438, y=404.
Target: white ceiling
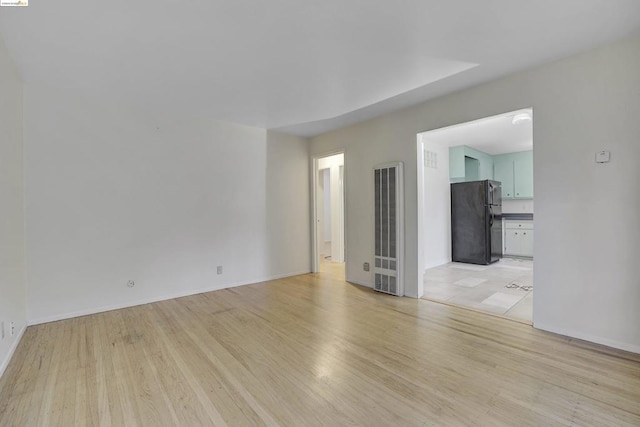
x=492, y=135
x=301, y=66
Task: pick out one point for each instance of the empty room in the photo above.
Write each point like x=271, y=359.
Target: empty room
x=236, y=213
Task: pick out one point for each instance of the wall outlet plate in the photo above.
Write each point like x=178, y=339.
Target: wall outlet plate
x=365, y=266
x=603, y=156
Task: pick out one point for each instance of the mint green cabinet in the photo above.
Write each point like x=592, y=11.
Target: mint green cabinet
x=469, y=164
x=456, y=163
x=503, y=172
x=515, y=171
x=523, y=178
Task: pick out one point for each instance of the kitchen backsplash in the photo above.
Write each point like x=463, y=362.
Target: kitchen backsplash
x=517, y=206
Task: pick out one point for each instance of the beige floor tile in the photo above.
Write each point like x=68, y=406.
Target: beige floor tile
x=524, y=309
x=471, y=285
x=502, y=300
x=470, y=282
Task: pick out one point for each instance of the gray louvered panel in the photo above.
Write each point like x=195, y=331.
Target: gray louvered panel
x=384, y=203
x=392, y=212
x=387, y=193
x=378, y=213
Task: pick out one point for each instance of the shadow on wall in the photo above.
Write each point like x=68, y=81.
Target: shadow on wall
x=287, y=204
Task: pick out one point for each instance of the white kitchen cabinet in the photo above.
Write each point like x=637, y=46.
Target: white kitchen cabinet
x=518, y=238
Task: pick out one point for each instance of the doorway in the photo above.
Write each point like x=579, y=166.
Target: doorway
x=499, y=149
x=328, y=214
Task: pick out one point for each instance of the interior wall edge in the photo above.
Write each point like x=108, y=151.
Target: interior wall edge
x=361, y=283
x=12, y=349
x=570, y=333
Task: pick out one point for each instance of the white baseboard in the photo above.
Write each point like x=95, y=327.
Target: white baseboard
x=437, y=263
x=12, y=350
x=633, y=348
x=357, y=282
x=102, y=309
x=370, y=285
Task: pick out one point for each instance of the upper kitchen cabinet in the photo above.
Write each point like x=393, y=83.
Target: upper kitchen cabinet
x=515, y=171
x=523, y=177
x=503, y=172
x=469, y=164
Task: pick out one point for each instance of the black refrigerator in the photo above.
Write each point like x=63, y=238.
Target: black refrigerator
x=476, y=222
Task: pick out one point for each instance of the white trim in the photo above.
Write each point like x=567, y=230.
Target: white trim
x=357, y=282
x=150, y=300
x=12, y=350
x=315, y=265
x=422, y=265
x=588, y=337
x=438, y=263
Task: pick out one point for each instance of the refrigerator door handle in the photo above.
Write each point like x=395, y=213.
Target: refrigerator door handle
x=491, y=194
x=490, y=216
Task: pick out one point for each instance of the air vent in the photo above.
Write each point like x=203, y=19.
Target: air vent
x=389, y=227
x=430, y=159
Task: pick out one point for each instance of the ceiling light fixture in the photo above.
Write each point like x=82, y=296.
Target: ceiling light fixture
x=521, y=118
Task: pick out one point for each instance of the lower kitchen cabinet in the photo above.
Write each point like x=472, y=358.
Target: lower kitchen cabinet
x=518, y=238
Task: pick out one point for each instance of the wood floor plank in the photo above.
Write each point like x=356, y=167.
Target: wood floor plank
x=311, y=350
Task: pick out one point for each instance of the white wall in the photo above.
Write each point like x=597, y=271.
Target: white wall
x=113, y=196
x=586, y=272
x=12, y=290
x=437, y=207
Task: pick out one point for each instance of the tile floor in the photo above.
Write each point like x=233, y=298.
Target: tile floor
x=505, y=287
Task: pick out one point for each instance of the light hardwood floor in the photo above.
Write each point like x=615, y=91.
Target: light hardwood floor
x=311, y=350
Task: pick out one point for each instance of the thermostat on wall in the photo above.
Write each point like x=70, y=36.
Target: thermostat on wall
x=603, y=156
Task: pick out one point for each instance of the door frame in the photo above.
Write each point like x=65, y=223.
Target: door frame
x=315, y=255
x=423, y=239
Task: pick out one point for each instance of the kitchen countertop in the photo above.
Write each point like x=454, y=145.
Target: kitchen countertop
x=518, y=216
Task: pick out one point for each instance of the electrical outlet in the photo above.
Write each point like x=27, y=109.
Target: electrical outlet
x=365, y=266
x=131, y=283
x=12, y=328
x=219, y=269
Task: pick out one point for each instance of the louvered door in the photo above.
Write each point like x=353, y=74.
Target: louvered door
x=388, y=228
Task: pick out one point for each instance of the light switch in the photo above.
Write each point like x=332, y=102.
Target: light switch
x=603, y=156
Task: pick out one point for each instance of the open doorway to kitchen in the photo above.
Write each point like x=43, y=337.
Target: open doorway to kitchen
x=328, y=212
x=476, y=214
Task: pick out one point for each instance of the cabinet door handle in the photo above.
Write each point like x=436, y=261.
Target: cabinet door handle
x=524, y=234
x=516, y=233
